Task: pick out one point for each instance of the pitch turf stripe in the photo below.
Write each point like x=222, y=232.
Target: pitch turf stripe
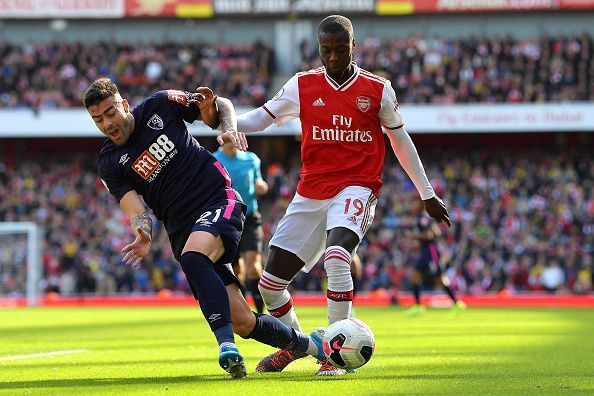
x=36, y=355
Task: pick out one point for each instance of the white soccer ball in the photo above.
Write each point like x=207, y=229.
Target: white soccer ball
x=348, y=343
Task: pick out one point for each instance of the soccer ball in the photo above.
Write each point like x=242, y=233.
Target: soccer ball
x=348, y=343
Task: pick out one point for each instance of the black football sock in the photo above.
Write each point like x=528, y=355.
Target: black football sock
x=450, y=293
x=271, y=331
x=417, y=293
x=210, y=291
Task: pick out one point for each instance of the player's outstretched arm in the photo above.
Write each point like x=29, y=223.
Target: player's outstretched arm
x=254, y=120
x=407, y=155
x=142, y=226
x=228, y=125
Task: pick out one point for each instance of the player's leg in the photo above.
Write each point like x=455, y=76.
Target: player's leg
x=267, y=329
x=416, y=280
x=350, y=215
x=297, y=243
x=444, y=281
x=281, y=267
x=253, y=269
x=250, y=247
x=337, y=263
x=356, y=270
x=201, y=251
x=239, y=271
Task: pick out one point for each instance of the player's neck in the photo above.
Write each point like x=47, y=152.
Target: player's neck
x=132, y=122
x=343, y=76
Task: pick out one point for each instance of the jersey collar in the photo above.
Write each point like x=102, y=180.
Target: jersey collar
x=345, y=85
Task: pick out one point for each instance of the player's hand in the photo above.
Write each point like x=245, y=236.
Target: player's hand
x=260, y=187
x=236, y=138
x=206, y=102
x=437, y=209
x=138, y=249
x=408, y=234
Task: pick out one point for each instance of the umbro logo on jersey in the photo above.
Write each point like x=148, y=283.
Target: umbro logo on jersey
x=155, y=122
x=124, y=158
x=319, y=102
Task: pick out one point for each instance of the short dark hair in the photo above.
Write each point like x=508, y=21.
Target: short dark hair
x=337, y=24
x=99, y=90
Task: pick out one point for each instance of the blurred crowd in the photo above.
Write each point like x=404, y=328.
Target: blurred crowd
x=478, y=69
x=523, y=221
x=56, y=74
x=422, y=69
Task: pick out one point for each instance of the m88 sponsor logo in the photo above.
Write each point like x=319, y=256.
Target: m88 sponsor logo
x=150, y=163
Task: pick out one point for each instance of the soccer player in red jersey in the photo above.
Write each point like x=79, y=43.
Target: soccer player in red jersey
x=344, y=111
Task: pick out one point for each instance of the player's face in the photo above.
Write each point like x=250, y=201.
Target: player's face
x=111, y=117
x=336, y=52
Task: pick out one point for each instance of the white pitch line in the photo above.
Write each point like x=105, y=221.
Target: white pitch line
x=34, y=355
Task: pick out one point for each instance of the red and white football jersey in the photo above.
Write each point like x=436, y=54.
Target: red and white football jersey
x=341, y=124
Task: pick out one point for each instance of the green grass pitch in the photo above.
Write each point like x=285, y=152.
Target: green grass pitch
x=170, y=351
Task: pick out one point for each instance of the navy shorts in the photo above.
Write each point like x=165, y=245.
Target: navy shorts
x=222, y=218
x=252, y=236
x=429, y=261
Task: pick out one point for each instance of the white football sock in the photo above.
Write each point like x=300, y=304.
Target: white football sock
x=278, y=300
x=337, y=262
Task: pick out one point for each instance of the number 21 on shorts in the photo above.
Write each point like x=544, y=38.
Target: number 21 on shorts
x=205, y=219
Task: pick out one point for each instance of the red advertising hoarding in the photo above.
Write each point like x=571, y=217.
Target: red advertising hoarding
x=169, y=8
x=403, y=7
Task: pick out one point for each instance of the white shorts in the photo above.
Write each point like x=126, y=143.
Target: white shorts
x=303, y=228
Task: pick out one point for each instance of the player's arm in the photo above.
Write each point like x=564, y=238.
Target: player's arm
x=260, y=186
x=283, y=107
x=142, y=226
x=219, y=113
x=407, y=155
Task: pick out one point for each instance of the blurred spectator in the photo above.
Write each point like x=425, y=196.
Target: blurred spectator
x=55, y=74
x=523, y=221
x=472, y=69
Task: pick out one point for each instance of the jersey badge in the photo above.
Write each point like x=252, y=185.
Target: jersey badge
x=363, y=103
x=155, y=122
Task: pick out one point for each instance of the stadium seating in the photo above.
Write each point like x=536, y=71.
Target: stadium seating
x=539, y=219
x=55, y=74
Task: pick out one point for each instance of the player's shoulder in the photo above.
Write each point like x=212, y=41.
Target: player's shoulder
x=252, y=156
x=310, y=73
x=107, y=149
x=367, y=75
x=107, y=155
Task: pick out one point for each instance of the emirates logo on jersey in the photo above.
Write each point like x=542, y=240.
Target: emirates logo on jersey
x=363, y=103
